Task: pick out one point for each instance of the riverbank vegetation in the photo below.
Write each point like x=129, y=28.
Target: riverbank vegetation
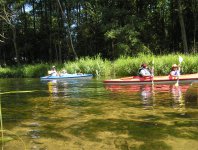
x=123, y=66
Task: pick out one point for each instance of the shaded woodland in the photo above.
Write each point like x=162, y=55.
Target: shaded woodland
x=34, y=31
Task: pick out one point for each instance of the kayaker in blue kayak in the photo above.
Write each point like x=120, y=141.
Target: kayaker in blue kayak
x=63, y=72
x=53, y=71
x=175, y=71
x=144, y=71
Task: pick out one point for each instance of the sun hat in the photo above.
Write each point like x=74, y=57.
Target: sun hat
x=53, y=66
x=174, y=66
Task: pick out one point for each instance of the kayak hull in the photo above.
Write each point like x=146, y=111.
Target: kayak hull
x=67, y=76
x=156, y=80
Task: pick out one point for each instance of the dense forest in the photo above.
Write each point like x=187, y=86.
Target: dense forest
x=34, y=31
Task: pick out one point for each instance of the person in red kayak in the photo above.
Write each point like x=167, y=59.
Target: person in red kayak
x=175, y=71
x=144, y=71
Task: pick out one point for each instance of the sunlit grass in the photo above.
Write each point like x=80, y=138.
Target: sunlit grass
x=10, y=72
x=123, y=66
x=96, y=66
x=35, y=70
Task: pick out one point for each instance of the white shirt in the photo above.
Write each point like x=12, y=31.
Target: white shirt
x=175, y=73
x=145, y=72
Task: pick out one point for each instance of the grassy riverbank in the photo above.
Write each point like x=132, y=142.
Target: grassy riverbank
x=124, y=66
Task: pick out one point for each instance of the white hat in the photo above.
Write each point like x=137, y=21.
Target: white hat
x=174, y=66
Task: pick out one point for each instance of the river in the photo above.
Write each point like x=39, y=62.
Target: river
x=88, y=115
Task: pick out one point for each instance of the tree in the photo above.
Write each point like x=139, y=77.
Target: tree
x=194, y=8
x=182, y=25
x=54, y=30
x=3, y=37
x=8, y=15
x=68, y=24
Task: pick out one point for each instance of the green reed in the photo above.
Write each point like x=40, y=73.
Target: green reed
x=10, y=72
x=123, y=66
x=36, y=70
x=126, y=66
x=96, y=66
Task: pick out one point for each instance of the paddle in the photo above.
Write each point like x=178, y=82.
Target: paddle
x=153, y=91
x=152, y=72
x=180, y=61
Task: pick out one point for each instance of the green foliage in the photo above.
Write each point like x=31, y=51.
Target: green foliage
x=110, y=28
x=35, y=70
x=125, y=40
x=123, y=66
x=95, y=66
x=10, y=72
x=163, y=63
x=126, y=66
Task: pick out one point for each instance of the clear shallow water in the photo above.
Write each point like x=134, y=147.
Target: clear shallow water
x=86, y=114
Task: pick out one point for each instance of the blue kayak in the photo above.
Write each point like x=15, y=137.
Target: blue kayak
x=65, y=76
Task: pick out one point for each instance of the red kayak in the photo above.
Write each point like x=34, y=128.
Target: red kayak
x=156, y=79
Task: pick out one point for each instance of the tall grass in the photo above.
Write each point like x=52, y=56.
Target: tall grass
x=126, y=66
x=96, y=66
x=164, y=63
x=24, y=71
x=11, y=72
x=123, y=66
x=35, y=70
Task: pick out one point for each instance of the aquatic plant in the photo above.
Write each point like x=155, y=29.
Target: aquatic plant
x=5, y=139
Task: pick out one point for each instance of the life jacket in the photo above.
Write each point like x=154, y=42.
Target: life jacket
x=139, y=70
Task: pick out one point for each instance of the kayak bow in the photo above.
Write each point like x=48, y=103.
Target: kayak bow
x=65, y=76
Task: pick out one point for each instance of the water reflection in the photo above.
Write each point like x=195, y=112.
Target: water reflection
x=155, y=95
x=146, y=96
x=82, y=114
x=178, y=100
x=66, y=88
x=52, y=87
x=191, y=96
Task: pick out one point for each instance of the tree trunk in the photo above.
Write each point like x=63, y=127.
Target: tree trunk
x=56, y=51
x=4, y=59
x=50, y=32
x=183, y=31
x=50, y=48
x=113, y=49
x=194, y=34
x=15, y=45
x=34, y=20
x=25, y=21
x=68, y=31
x=194, y=10
x=60, y=52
